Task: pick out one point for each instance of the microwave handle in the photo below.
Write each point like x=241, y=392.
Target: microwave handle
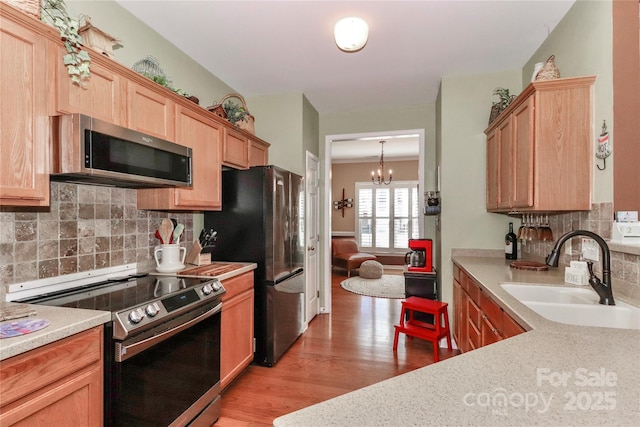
x=126, y=351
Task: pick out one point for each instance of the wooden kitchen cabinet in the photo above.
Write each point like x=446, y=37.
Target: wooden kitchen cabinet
x=24, y=122
x=493, y=157
x=242, y=152
x=258, y=153
x=150, y=111
x=539, y=150
x=236, y=341
x=204, y=136
x=58, y=384
x=102, y=97
x=479, y=320
x=235, y=149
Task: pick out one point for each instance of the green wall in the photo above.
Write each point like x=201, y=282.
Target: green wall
x=583, y=45
x=140, y=40
x=290, y=124
x=464, y=108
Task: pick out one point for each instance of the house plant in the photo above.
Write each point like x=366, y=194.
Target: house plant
x=502, y=104
x=55, y=13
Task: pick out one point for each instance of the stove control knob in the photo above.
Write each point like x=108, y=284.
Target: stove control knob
x=207, y=289
x=135, y=316
x=216, y=286
x=151, y=310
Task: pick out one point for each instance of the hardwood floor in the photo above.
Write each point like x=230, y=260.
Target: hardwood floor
x=340, y=352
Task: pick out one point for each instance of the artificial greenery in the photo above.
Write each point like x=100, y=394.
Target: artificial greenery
x=235, y=112
x=76, y=59
x=164, y=81
x=505, y=98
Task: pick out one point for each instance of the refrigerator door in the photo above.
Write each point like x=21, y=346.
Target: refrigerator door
x=278, y=218
x=285, y=318
x=297, y=240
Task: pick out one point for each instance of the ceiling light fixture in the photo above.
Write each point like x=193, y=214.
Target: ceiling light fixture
x=380, y=179
x=351, y=34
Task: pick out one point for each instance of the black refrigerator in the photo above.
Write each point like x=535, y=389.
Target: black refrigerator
x=262, y=222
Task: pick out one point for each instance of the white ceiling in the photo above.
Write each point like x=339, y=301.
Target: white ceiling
x=278, y=47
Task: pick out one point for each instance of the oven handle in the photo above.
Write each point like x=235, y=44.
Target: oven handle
x=124, y=352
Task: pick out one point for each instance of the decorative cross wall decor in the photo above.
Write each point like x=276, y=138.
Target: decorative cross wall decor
x=342, y=204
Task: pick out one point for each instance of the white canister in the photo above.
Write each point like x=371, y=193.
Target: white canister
x=536, y=69
x=169, y=258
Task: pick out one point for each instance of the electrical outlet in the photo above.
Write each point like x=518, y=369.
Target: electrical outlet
x=590, y=249
x=568, y=250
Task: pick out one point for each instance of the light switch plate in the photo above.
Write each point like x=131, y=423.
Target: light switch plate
x=590, y=249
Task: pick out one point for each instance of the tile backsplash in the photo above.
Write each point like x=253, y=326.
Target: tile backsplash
x=86, y=227
x=625, y=266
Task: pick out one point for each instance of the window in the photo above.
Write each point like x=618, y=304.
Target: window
x=387, y=215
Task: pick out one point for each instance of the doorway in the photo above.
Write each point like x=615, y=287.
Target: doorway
x=328, y=197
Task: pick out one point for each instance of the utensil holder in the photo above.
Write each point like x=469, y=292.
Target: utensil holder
x=196, y=257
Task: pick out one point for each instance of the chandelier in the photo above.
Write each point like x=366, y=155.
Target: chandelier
x=380, y=178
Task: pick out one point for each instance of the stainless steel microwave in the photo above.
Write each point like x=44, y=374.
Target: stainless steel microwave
x=88, y=150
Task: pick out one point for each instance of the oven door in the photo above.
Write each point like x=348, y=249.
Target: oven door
x=169, y=376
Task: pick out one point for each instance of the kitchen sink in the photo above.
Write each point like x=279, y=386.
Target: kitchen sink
x=574, y=306
x=551, y=294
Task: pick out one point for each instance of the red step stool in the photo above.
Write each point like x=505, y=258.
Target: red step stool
x=426, y=331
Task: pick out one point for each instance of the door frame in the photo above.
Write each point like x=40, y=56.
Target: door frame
x=325, y=177
x=309, y=280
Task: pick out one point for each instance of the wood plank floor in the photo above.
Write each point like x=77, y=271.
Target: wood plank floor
x=340, y=352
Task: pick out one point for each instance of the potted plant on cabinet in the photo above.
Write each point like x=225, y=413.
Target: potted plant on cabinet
x=55, y=13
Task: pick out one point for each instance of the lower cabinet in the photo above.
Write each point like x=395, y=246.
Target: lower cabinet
x=59, y=384
x=479, y=321
x=236, y=342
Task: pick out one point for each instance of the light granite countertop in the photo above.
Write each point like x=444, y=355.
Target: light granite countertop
x=554, y=374
x=64, y=322
x=68, y=321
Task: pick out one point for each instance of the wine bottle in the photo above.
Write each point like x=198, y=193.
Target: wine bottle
x=511, y=244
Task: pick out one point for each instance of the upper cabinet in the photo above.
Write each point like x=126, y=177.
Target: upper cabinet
x=102, y=97
x=539, y=150
x=258, y=153
x=112, y=93
x=149, y=110
x=241, y=151
x=24, y=122
x=235, y=149
x=204, y=136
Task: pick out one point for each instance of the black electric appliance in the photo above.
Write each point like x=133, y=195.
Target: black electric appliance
x=162, y=348
x=261, y=222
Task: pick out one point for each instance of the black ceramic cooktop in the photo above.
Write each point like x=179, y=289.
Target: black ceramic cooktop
x=118, y=294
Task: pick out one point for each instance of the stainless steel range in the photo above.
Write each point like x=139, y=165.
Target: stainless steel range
x=162, y=350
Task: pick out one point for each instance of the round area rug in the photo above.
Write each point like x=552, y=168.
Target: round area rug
x=388, y=286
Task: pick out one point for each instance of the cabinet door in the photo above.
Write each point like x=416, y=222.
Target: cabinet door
x=493, y=164
x=235, y=149
x=204, y=136
x=101, y=97
x=258, y=153
x=489, y=332
x=510, y=327
x=24, y=122
x=236, y=341
x=60, y=384
x=149, y=111
x=505, y=171
x=522, y=124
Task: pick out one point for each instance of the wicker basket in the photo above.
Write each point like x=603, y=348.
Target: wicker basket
x=30, y=7
x=549, y=71
x=246, y=124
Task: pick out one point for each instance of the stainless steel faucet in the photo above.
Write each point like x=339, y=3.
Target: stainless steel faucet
x=602, y=288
